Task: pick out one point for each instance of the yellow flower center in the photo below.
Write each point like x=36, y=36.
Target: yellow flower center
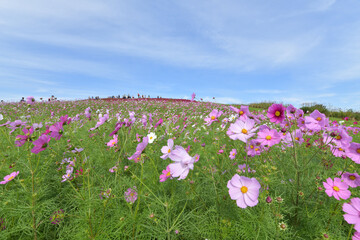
x=233, y=154
x=241, y=112
x=11, y=178
x=336, y=188
x=268, y=138
x=244, y=131
x=168, y=174
x=169, y=150
x=297, y=139
x=251, y=146
x=318, y=118
x=338, y=137
x=277, y=113
x=352, y=177
x=212, y=117
x=340, y=149
x=244, y=189
x=256, y=149
x=358, y=150
x=151, y=137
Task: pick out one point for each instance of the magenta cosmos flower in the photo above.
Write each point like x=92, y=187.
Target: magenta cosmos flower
x=183, y=163
x=336, y=189
x=165, y=174
x=276, y=113
x=244, y=190
x=242, y=130
x=352, y=211
x=10, y=177
x=166, y=150
x=40, y=144
x=351, y=179
x=268, y=137
x=353, y=152
x=213, y=116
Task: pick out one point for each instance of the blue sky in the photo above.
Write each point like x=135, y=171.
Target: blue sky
x=236, y=51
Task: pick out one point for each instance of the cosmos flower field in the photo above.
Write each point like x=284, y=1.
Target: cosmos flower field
x=165, y=169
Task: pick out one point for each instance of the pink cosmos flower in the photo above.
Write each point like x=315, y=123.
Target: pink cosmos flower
x=299, y=113
x=15, y=125
x=113, y=141
x=352, y=211
x=21, y=139
x=243, y=111
x=268, y=137
x=139, y=149
x=244, y=190
x=40, y=144
x=56, y=130
x=338, y=136
x=166, y=150
x=353, y=152
x=351, y=179
x=132, y=116
x=213, y=116
x=30, y=100
x=10, y=177
x=316, y=121
x=276, y=113
x=356, y=236
x=193, y=97
x=65, y=120
x=183, y=163
x=338, y=151
x=144, y=120
x=290, y=111
x=131, y=195
x=336, y=188
x=242, y=130
x=113, y=169
x=166, y=174
x=233, y=154
x=88, y=113
x=254, y=148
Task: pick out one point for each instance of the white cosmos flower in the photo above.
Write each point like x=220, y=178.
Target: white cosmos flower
x=1, y=117
x=151, y=137
x=232, y=117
